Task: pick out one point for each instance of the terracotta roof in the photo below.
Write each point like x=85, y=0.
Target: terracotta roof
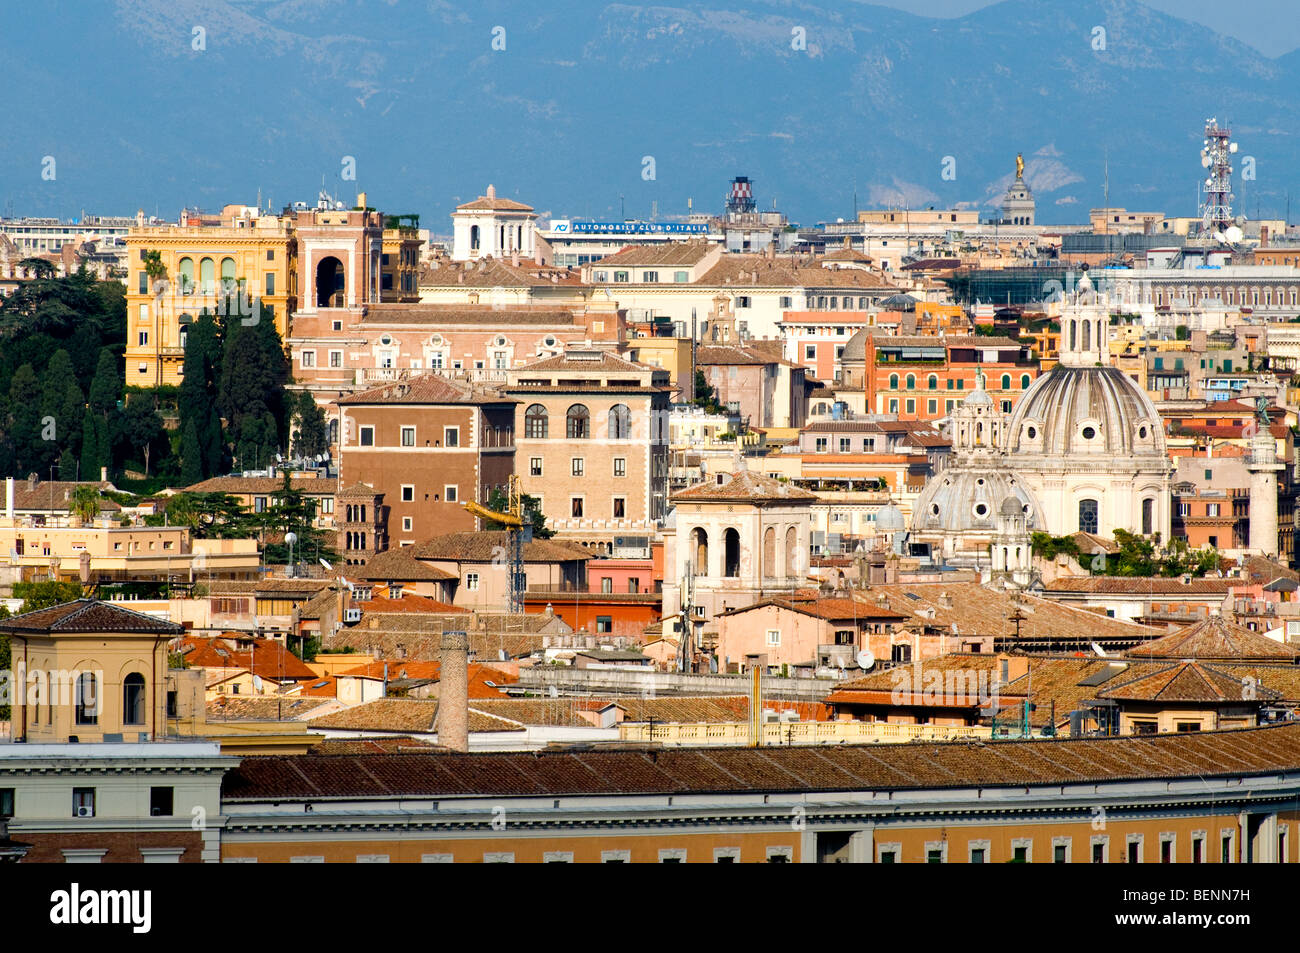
x=400, y=566
x=398, y=669
x=587, y=360
x=739, y=271
x=724, y=354
x=240, y=484
x=489, y=544
x=668, y=253
x=1134, y=585
x=262, y=708
x=1014, y=764
x=492, y=203
x=830, y=609
x=485, y=316
x=1215, y=638
x=266, y=658
x=406, y=715
x=977, y=610
x=55, y=495
x=489, y=273
x=1187, y=682
x=405, y=603
x=743, y=486
x=89, y=615
x=428, y=388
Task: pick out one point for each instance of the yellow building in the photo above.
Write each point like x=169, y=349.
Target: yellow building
x=399, y=268
x=245, y=266
x=89, y=671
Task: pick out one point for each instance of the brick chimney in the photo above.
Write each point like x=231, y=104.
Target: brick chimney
x=453, y=692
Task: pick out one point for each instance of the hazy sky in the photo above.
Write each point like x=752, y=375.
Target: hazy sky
x=1270, y=26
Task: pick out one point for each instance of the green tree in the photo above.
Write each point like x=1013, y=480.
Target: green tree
x=106, y=387
x=191, y=453
x=292, y=512
x=705, y=396
x=85, y=502
x=251, y=395
x=202, y=451
x=141, y=428
x=25, y=424
x=42, y=595
x=312, y=435
x=499, y=502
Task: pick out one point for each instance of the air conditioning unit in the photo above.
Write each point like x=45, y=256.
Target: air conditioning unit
x=85, y=812
x=352, y=615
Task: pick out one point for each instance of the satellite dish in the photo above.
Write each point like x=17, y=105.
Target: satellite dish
x=1205, y=161
x=1232, y=234
x=278, y=458
x=866, y=660
x=257, y=684
x=1099, y=650
x=328, y=567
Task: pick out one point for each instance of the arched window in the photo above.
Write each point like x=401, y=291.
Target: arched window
x=577, y=423
x=700, y=551
x=911, y=382
x=769, y=553
x=1006, y=382
x=731, y=552
x=228, y=274
x=87, y=701
x=133, y=699
x=473, y=238
x=1148, y=516
x=620, y=422
x=535, y=422
x=893, y=382
x=932, y=382
x=1087, y=335
x=1087, y=516
x=185, y=274
x=1074, y=335
x=1024, y=381
x=793, y=560
x=208, y=276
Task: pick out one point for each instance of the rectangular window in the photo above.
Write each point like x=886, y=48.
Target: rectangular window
x=845, y=444
x=820, y=444
x=575, y=505
x=6, y=802
x=977, y=855
x=620, y=466
x=785, y=302
x=606, y=584
x=143, y=338
x=1225, y=844
x=810, y=352
x=408, y=436
x=650, y=277
x=681, y=276
x=368, y=436
x=270, y=254
x=270, y=283
x=408, y=492
x=451, y=493
x=576, y=466
x=534, y=466
x=160, y=802
x=604, y=624
x=451, y=436
x=336, y=358
x=620, y=508
x=83, y=802
x=308, y=358
x=407, y=524
x=773, y=636
x=471, y=581
x=144, y=282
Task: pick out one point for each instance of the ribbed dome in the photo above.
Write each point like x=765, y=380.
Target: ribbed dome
x=1085, y=410
x=964, y=498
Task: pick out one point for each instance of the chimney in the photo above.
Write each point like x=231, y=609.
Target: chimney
x=361, y=201
x=33, y=480
x=103, y=474
x=491, y=192
x=945, y=600
x=453, y=692
x=1263, y=236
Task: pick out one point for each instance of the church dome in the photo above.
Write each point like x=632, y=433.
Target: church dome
x=1084, y=410
x=970, y=498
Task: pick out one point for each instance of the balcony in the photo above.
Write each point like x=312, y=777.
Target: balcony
x=381, y=375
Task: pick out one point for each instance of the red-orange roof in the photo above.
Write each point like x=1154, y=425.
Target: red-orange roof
x=266, y=658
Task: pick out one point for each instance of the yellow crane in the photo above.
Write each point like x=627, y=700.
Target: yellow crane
x=513, y=519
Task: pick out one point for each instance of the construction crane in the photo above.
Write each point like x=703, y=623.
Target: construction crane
x=518, y=532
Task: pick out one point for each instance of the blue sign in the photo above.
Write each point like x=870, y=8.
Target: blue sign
x=642, y=228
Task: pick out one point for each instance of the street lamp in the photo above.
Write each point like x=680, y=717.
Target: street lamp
x=291, y=538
